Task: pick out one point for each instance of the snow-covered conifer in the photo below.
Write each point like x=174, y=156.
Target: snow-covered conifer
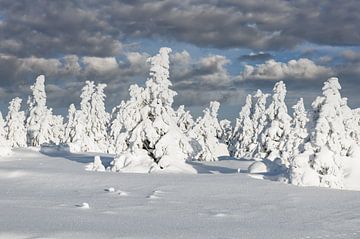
x=88, y=130
x=184, y=119
x=15, y=124
x=206, y=131
x=226, y=132
x=259, y=121
x=331, y=141
x=39, y=120
x=5, y=148
x=153, y=139
x=70, y=125
x=242, y=138
x=57, y=129
x=273, y=138
x=298, y=134
x=99, y=119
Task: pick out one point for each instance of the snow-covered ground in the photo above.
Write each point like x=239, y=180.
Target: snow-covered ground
x=47, y=195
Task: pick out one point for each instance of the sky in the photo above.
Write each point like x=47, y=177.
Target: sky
x=222, y=50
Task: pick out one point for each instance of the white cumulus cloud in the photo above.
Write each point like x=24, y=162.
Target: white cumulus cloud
x=302, y=68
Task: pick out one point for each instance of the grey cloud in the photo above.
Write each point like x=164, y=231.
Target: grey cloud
x=208, y=72
x=94, y=28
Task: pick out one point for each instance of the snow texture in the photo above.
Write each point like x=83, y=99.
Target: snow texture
x=42, y=196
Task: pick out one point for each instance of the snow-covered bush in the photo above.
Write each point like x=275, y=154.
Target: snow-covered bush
x=96, y=165
x=151, y=138
x=15, y=124
x=273, y=138
x=5, y=148
x=206, y=131
x=331, y=144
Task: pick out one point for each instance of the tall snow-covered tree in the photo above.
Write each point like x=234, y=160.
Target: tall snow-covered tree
x=206, y=132
x=154, y=142
x=88, y=130
x=242, y=139
x=259, y=120
x=15, y=124
x=99, y=119
x=5, y=148
x=69, y=130
x=298, y=135
x=39, y=121
x=57, y=129
x=331, y=141
x=274, y=136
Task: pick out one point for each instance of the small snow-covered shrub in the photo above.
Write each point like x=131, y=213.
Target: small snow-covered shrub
x=96, y=165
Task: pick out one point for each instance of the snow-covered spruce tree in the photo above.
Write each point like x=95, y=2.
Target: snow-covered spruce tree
x=184, y=119
x=323, y=163
x=226, y=132
x=5, y=148
x=242, y=138
x=298, y=135
x=154, y=142
x=15, y=124
x=88, y=130
x=70, y=125
x=99, y=119
x=40, y=120
x=115, y=128
x=125, y=118
x=259, y=121
x=57, y=129
x=79, y=132
x=206, y=131
x=273, y=138
x=356, y=134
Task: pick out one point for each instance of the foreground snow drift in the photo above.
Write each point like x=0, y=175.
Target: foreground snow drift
x=50, y=195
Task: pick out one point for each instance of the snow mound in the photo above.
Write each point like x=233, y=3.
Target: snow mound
x=5, y=150
x=134, y=163
x=84, y=205
x=258, y=167
x=96, y=165
x=110, y=190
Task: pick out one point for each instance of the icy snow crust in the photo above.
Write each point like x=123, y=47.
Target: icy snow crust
x=50, y=195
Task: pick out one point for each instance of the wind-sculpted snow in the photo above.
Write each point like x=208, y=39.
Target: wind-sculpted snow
x=52, y=196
